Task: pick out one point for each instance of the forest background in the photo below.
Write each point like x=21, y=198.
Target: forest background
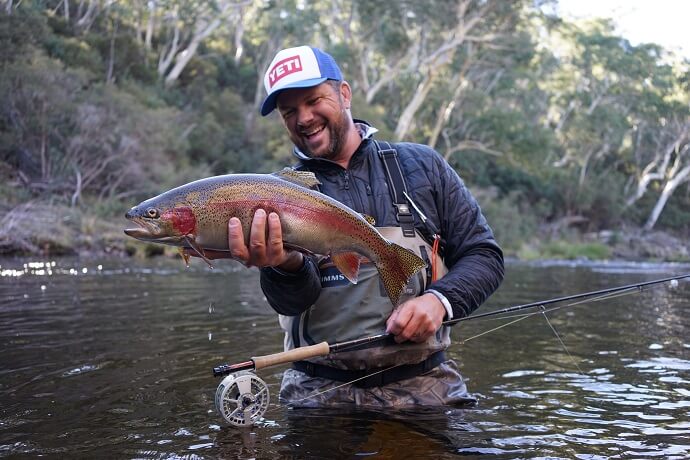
x=575, y=142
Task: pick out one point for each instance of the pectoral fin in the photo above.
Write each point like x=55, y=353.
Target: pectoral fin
x=348, y=264
x=199, y=250
x=185, y=256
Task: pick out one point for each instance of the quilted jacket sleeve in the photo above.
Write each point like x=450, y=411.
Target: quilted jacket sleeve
x=291, y=293
x=471, y=253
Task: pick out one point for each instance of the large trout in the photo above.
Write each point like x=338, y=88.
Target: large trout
x=196, y=215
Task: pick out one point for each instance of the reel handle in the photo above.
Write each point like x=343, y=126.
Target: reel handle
x=290, y=356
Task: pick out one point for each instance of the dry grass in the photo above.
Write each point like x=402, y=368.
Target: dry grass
x=40, y=228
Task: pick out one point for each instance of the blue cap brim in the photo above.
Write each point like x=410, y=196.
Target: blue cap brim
x=269, y=103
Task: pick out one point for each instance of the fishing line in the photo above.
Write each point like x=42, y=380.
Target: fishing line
x=572, y=358
x=240, y=403
x=313, y=395
x=542, y=311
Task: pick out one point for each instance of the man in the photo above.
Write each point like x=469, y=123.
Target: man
x=314, y=300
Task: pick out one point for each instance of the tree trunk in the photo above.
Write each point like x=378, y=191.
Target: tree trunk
x=266, y=55
x=149, y=24
x=109, y=79
x=405, y=120
x=669, y=188
x=168, y=54
x=446, y=110
x=202, y=30
x=657, y=168
x=85, y=21
x=181, y=61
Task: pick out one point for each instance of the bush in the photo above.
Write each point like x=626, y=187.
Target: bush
x=513, y=222
x=572, y=251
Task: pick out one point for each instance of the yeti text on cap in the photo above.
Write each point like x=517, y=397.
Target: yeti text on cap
x=284, y=68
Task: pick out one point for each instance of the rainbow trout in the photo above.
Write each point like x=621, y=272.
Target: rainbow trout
x=196, y=215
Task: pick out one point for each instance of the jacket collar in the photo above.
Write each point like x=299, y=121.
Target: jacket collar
x=366, y=132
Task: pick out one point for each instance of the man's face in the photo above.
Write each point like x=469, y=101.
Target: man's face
x=316, y=118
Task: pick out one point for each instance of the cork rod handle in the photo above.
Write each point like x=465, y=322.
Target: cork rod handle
x=290, y=356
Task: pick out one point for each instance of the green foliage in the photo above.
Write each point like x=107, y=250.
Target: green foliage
x=557, y=120
x=19, y=33
x=75, y=52
x=573, y=251
x=511, y=218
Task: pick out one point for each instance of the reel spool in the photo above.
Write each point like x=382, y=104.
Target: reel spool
x=242, y=398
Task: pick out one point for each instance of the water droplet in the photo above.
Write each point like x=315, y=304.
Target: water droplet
x=211, y=308
x=210, y=336
x=43, y=287
x=84, y=270
x=673, y=284
x=656, y=346
x=253, y=324
x=100, y=267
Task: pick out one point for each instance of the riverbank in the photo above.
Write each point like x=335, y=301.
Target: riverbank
x=50, y=230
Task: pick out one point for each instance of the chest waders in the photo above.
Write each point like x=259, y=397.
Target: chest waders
x=344, y=311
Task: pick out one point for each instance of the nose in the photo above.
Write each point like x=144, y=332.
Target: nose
x=130, y=214
x=304, y=116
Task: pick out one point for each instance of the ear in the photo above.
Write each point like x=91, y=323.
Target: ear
x=346, y=93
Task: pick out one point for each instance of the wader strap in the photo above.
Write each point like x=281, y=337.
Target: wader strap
x=398, y=189
x=403, y=372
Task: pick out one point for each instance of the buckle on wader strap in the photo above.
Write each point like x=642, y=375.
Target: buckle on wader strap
x=397, y=187
x=380, y=376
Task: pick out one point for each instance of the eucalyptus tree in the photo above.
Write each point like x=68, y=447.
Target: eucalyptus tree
x=188, y=23
x=617, y=113
x=403, y=48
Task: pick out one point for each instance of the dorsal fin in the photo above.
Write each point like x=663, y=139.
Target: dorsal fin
x=369, y=219
x=303, y=178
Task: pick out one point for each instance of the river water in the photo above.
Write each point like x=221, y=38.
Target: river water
x=112, y=359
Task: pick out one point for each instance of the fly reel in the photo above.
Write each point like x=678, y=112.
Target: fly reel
x=242, y=398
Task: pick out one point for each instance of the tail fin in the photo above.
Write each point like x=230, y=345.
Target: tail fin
x=397, y=268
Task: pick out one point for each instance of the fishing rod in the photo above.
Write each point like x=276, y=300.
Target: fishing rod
x=242, y=397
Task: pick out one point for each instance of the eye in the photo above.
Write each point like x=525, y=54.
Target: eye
x=287, y=113
x=152, y=213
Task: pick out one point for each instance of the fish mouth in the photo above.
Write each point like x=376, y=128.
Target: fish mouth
x=140, y=233
x=149, y=230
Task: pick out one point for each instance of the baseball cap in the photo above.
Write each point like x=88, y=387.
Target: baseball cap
x=299, y=67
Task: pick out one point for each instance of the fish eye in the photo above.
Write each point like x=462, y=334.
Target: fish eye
x=152, y=213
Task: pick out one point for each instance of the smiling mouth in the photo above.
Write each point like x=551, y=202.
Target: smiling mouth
x=314, y=132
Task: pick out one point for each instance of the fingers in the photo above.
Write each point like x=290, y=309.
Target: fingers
x=417, y=319
x=236, y=244
x=257, y=238
x=274, y=245
x=265, y=247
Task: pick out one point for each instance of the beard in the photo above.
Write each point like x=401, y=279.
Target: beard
x=338, y=130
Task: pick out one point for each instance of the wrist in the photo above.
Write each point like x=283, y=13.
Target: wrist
x=444, y=302
x=293, y=262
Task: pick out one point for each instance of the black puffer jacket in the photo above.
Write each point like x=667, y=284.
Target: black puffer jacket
x=470, y=252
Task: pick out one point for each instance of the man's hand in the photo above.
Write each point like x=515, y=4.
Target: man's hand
x=265, y=250
x=417, y=319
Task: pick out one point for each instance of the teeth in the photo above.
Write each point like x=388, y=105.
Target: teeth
x=313, y=132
